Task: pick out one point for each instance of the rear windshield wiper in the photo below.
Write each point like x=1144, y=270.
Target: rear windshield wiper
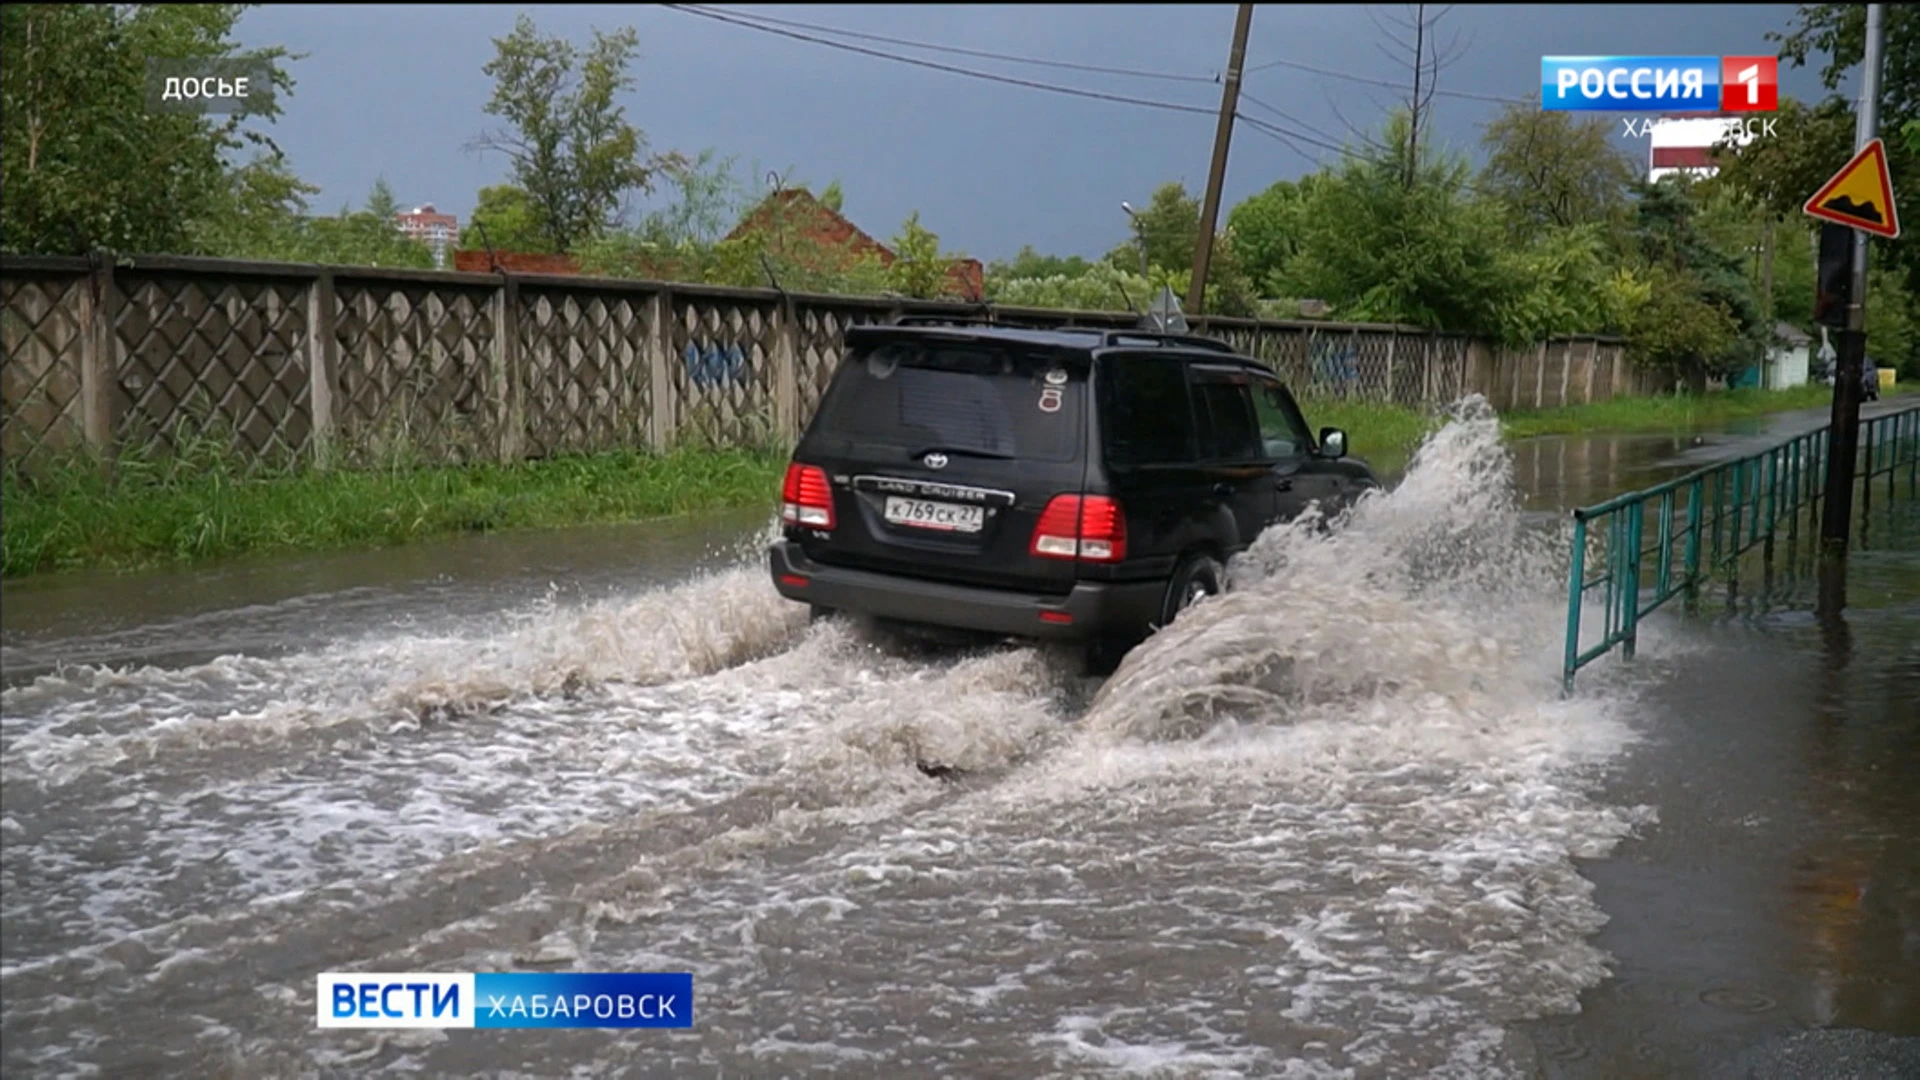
x=996, y=456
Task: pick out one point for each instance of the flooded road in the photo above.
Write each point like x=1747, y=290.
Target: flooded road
x=1336, y=823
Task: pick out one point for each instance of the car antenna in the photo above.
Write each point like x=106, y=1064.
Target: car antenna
x=1124, y=298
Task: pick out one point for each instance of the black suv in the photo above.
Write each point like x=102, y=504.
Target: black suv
x=1069, y=484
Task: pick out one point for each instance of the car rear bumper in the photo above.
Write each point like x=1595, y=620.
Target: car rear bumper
x=1092, y=609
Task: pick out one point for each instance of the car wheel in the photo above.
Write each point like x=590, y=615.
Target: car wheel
x=816, y=613
x=1103, y=654
x=1196, y=577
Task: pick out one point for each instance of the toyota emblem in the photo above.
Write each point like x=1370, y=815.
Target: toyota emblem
x=936, y=461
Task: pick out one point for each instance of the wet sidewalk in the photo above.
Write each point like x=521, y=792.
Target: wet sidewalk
x=1780, y=890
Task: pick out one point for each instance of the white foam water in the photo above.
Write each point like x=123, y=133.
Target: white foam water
x=71, y=724
x=1323, y=825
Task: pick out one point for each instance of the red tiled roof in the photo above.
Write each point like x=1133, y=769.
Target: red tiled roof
x=827, y=227
x=830, y=229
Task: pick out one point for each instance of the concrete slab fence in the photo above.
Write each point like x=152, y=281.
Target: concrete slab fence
x=329, y=364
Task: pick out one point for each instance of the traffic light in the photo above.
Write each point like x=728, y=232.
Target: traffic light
x=1833, y=283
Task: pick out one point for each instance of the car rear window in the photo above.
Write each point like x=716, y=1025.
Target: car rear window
x=977, y=399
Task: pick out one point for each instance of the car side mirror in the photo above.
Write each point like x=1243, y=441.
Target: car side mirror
x=1333, y=442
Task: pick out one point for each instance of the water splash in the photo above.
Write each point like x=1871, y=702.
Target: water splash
x=68, y=724
x=1435, y=590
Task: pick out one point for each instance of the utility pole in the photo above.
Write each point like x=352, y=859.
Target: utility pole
x=1210, y=212
x=1843, y=434
x=1413, y=123
x=1766, y=289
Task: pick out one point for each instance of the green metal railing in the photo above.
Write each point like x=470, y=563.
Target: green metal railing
x=1711, y=517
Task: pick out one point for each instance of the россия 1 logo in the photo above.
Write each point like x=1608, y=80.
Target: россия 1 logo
x=1660, y=83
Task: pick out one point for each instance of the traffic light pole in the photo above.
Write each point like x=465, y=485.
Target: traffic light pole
x=1843, y=434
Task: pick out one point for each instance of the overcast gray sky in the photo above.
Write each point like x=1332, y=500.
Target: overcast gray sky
x=397, y=91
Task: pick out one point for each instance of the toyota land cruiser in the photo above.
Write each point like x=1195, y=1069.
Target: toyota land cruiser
x=1081, y=485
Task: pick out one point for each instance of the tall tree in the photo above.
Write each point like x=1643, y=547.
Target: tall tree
x=263, y=200
x=83, y=161
x=1028, y=263
x=505, y=217
x=380, y=201
x=1378, y=249
x=569, y=142
x=1169, y=229
x=1839, y=33
x=1783, y=172
x=708, y=198
x=1780, y=174
x=1266, y=228
x=919, y=267
x=1692, y=273
x=1416, y=39
x=1555, y=169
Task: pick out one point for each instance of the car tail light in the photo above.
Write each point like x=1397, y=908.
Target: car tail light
x=1089, y=527
x=806, y=498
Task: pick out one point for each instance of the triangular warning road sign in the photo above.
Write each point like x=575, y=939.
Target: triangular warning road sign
x=1860, y=195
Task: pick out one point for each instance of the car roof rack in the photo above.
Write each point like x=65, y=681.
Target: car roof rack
x=1116, y=337
x=987, y=321
x=1108, y=337
x=940, y=320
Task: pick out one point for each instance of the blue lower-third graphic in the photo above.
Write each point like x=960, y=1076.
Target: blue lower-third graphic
x=567, y=999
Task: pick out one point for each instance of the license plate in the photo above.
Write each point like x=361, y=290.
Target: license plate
x=925, y=514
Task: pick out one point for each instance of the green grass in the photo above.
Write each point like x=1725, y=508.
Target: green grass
x=70, y=516
x=1383, y=434
x=1663, y=413
x=1386, y=435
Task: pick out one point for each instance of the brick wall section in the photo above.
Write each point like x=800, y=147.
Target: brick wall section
x=519, y=262
x=968, y=278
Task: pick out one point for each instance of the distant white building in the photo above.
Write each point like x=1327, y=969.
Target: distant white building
x=429, y=226
x=1684, y=144
x=1789, y=359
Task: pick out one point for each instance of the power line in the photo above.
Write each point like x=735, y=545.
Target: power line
x=1295, y=64
x=1273, y=132
x=1291, y=119
x=954, y=49
x=1279, y=134
x=988, y=76
x=1290, y=139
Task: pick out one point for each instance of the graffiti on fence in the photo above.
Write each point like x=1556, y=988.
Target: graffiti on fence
x=1335, y=364
x=716, y=365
